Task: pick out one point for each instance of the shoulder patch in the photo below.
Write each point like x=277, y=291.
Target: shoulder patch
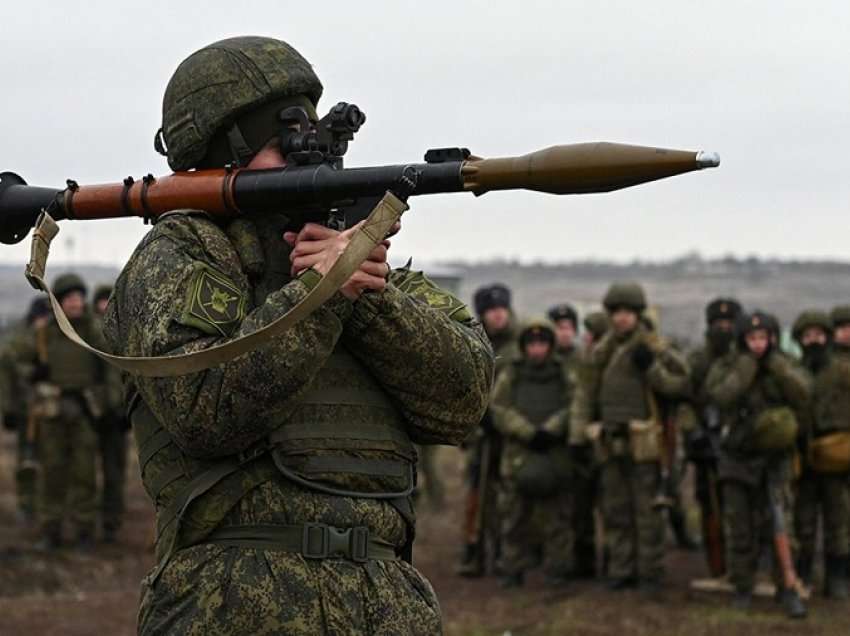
x=420, y=287
x=214, y=304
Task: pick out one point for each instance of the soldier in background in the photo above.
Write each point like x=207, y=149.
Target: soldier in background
x=616, y=405
x=759, y=390
x=595, y=327
x=703, y=441
x=481, y=525
x=530, y=411
x=822, y=487
x=112, y=432
x=583, y=484
x=15, y=400
x=841, y=350
x=69, y=398
x=565, y=319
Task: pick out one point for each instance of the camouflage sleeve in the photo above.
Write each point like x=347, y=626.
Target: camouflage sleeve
x=507, y=420
x=794, y=380
x=428, y=353
x=668, y=374
x=225, y=409
x=583, y=407
x=730, y=377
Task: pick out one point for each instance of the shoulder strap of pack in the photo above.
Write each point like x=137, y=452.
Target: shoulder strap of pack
x=373, y=230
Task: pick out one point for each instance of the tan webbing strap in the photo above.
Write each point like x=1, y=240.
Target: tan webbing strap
x=373, y=230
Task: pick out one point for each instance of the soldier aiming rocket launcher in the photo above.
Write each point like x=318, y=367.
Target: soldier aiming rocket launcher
x=315, y=187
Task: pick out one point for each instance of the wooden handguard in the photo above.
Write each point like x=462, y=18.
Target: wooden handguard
x=150, y=197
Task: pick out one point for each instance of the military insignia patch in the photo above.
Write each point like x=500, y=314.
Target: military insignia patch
x=214, y=304
x=420, y=287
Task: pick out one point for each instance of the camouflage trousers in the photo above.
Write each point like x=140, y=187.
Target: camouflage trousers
x=68, y=451
x=112, y=441
x=26, y=483
x=531, y=526
x=826, y=496
x=749, y=529
x=634, y=530
x=222, y=590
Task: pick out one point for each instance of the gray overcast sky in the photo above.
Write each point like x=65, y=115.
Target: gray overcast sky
x=766, y=84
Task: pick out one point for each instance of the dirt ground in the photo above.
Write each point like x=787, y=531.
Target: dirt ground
x=70, y=594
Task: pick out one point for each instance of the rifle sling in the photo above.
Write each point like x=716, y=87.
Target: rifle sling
x=373, y=230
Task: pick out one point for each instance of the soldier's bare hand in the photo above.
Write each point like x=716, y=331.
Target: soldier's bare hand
x=319, y=247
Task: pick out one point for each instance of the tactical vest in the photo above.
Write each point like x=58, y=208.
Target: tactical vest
x=832, y=397
x=539, y=392
x=346, y=438
x=622, y=393
x=72, y=368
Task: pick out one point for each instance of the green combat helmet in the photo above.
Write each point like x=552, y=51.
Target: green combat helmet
x=628, y=295
x=596, y=323
x=67, y=283
x=221, y=104
x=811, y=318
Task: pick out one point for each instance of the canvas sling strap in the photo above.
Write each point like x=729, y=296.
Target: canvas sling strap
x=371, y=232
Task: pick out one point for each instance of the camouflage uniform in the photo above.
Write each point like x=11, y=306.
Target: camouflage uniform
x=14, y=391
x=112, y=444
x=531, y=397
x=583, y=483
x=616, y=393
x=486, y=441
x=338, y=367
x=821, y=493
x=703, y=440
x=69, y=396
x=745, y=388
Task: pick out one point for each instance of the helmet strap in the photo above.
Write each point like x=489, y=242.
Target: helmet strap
x=239, y=148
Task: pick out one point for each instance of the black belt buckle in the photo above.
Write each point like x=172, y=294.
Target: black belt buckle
x=314, y=541
x=320, y=541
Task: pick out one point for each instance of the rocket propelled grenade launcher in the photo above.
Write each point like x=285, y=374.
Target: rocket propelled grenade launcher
x=315, y=187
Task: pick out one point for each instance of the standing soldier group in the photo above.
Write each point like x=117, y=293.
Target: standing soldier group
x=606, y=429
x=66, y=407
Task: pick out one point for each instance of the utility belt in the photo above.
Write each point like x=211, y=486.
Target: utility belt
x=310, y=540
x=47, y=400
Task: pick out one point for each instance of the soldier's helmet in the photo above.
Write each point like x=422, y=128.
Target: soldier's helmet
x=101, y=292
x=723, y=309
x=625, y=295
x=840, y=315
x=596, y=323
x=223, y=101
x=67, y=283
x=490, y=297
x=563, y=312
x=811, y=318
x=538, y=329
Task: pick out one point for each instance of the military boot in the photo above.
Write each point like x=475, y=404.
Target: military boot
x=470, y=565
x=836, y=578
x=793, y=604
